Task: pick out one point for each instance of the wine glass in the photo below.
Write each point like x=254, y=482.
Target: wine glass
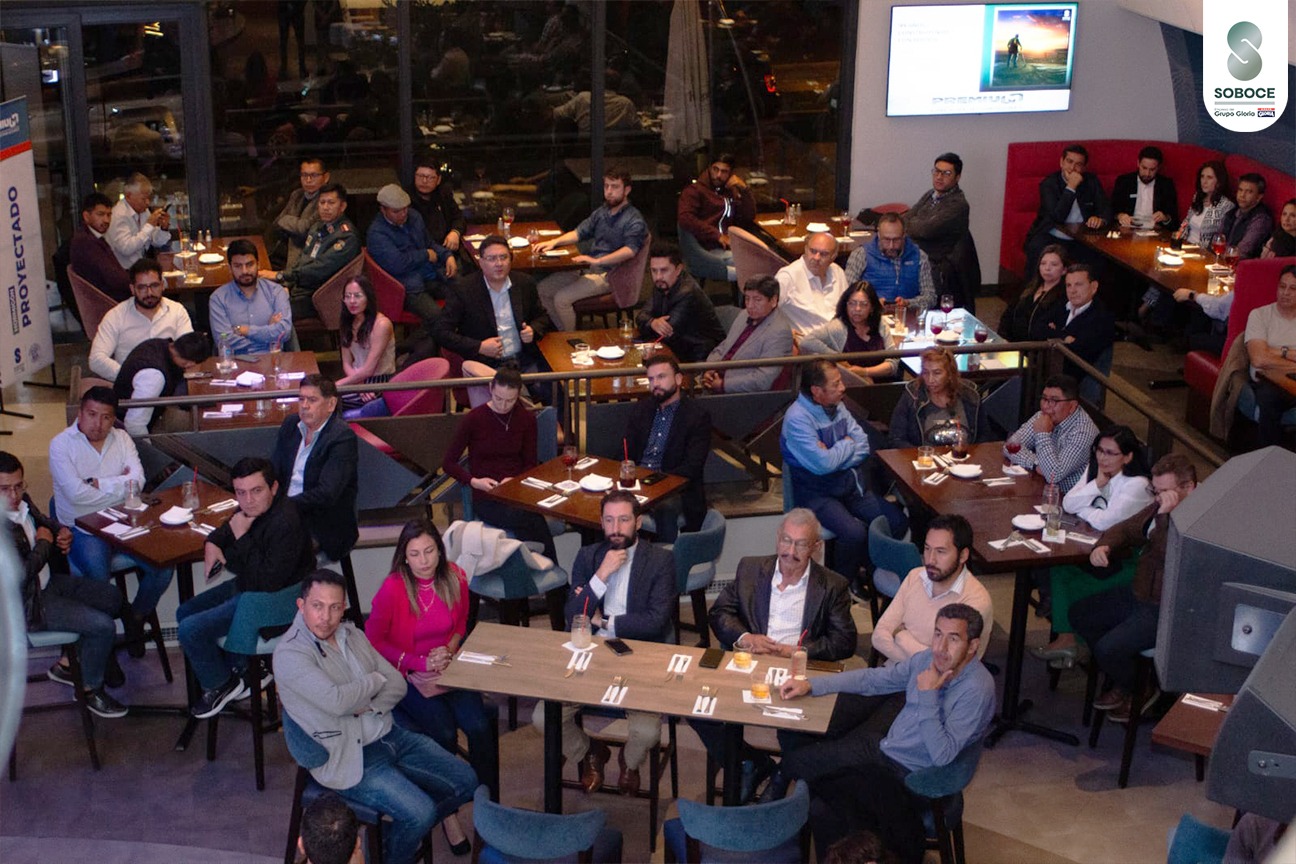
x=981, y=333
x=1218, y=243
x=569, y=455
x=1012, y=448
x=507, y=215
x=947, y=303
x=936, y=323
x=845, y=219
x=1231, y=257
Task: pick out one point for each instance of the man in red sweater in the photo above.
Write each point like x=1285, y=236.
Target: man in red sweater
x=708, y=206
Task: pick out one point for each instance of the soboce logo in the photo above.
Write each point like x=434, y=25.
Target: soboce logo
x=1244, y=62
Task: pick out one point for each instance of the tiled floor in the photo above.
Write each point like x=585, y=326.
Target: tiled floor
x=1031, y=801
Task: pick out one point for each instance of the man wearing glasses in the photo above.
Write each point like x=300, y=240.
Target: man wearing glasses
x=940, y=218
x=299, y=214
x=1057, y=439
x=894, y=265
x=1119, y=624
x=442, y=217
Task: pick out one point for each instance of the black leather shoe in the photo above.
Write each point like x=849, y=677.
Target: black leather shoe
x=134, y=626
x=777, y=788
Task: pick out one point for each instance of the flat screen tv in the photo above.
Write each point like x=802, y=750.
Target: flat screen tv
x=997, y=58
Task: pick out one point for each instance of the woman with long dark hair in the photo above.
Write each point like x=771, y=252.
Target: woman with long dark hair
x=1026, y=318
x=368, y=342
x=419, y=618
x=857, y=326
x=1209, y=205
x=1283, y=242
x=1119, y=485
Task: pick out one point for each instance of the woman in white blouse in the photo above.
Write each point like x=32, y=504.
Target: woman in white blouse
x=1118, y=487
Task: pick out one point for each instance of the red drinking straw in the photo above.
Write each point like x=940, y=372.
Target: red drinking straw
x=803, y=635
x=625, y=448
x=585, y=611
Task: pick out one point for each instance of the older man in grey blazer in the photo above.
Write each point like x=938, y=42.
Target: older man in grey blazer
x=761, y=331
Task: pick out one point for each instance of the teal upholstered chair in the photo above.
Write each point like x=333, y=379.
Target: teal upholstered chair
x=506, y=835
x=257, y=611
x=942, y=789
x=1192, y=842
x=893, y=558
x=772, y=832
x=702, y=264
x=696, y=554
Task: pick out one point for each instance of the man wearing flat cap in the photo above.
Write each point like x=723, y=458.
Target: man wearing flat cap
x=398, y=242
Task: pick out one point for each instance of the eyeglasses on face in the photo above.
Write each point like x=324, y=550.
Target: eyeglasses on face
x=495, y=259
x=942, y=172
x=16, y=489
x=798, y=545
x=311, y=175
x=1103, y=451
x=1054, y=400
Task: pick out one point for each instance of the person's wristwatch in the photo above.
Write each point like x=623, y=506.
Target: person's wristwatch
x=1192, y=296
x=1284, y=351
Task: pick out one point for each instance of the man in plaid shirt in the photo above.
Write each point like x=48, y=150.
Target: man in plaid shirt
x=1058, y=439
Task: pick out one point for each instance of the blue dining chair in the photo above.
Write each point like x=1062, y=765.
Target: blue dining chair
x=696, y=554
x=892, y=559
x=941, y=789
x=507, y=835
x=1193, y=842
x=770, y=833
x=69, y=642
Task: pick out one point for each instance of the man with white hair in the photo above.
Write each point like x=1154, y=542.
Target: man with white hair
x=135, y=229
x=810, y=286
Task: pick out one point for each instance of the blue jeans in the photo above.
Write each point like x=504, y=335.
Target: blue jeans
x=92, y=558
x=204, y=619
x=413, y=780
x=83, y=606
x=1117, y=627
x=849, y=518
x=440, y=716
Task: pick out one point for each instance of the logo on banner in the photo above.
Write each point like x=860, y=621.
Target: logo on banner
x=1244, y=62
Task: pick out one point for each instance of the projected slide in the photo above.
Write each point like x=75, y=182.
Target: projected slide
x=992, y=59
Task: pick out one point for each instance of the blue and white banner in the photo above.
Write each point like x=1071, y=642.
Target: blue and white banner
x=1244, y=62
x=25, y=342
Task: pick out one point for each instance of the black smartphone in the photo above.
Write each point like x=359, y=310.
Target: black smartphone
x=711, y=658
x=654, y=477
x=575, y=342
x=618, y=647
x=215, y=570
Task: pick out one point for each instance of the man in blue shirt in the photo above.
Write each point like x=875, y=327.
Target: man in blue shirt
x=823, y=446
x=616, y=232
x=254, y=311
x=398, y=242
x=948, y=704
x=894, y=265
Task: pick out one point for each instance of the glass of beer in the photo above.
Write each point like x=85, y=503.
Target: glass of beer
x=925, y=456
x=760, y=689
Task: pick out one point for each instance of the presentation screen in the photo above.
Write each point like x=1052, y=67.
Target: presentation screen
x=999, y=58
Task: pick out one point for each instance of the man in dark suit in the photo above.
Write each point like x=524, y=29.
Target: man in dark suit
x=495, y=315
x=90, y=254
x=770, y=603
x=1083, y=322
x=671, y=433
x=1069, y=196
x=627, y=585
x=1144, y=197
x=315, y=460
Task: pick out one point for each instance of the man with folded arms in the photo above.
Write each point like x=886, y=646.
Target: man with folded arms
x=54, y=599
x=90, y=463
x=331, y=244
x=315, y=459
x=134, y=230
x=627, y=585
x=679, y=314
x=1250, y=224
x=147, y=315
x=398, y=242
x=905, y=628
x=670, y=432
x=341, y=692
x=856, y=775
x=761, y=331
x=894, y=265
x=299, y=213
x=710, y=204
x=156, y=368
x=616, y=232
x=1057, y=440
x=810, y=286
x=442, y=217
x=1070, y=196
x=90, y=253
x=1120, y=624
x=940, y=218
x=771, y=602
x=254, y=311
x=265, y=547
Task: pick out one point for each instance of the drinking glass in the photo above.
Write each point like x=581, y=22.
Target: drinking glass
x=1052, y=507
x=925, y=454
x=627, y=333
x=507, y=215
x=936, y=323
x=132, y=495
x=947, y=303
x=981, y=333
x=276, y=355
x=799, y=661
x=760, y=688
x=570, y=455
x=627, y=474
x=846, y=222
x=189, y=495
x=1012, y=448
x=1231, y=257
x=580, y=631
x=1218, y=244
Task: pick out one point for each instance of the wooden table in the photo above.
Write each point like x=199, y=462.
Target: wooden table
x=581, y=508
x=988, y=365
x=291, y=362
x=539, y=662
x=164, y=546
x=526, y=259
x=990, y=510
x=1138, y=255
x=557, y=348
x=213, y=275
x=1192, y=729
x=1283, y=379
x=789, y=240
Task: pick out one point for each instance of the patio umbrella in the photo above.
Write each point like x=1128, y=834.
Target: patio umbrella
x=686, y=122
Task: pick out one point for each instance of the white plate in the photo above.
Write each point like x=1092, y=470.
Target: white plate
x=967, y=472
x=948, y=337
x=610, y=352
x=1169, y=260
x=596, y=483
x=210, y=258
x=442, y=127
x=1028, y=522
x=518, y=243
x=176, y=516
x=483, y=195
x=817, y=228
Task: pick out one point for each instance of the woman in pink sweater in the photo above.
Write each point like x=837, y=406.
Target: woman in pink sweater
x=419, y=618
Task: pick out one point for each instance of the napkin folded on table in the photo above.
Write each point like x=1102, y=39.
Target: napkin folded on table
x=250, y=379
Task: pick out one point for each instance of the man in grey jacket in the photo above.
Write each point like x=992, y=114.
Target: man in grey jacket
x=341, y=692
x=761, y=331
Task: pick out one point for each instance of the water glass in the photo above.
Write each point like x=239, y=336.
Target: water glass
x=132, y=495
x=1052, y=508
x=189, y=495
x=580, y=631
